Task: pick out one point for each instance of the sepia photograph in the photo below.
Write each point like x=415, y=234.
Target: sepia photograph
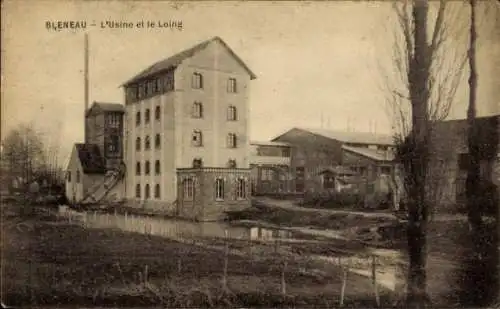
x=250, y=154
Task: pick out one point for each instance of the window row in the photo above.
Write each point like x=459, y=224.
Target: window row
x=147, y=115
x=197, y=111
x=147, y=142
x=197, y=139
x=147, y=191
x=198, y=163
x=150, y=87
x=198, y=83
x=147, y=168
x=219, y=189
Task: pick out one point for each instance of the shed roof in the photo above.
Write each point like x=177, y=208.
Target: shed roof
x=374, y=154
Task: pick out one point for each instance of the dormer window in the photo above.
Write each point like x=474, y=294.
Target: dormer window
x=197, y=81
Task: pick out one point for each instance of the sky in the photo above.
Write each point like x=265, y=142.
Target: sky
x=317, y=63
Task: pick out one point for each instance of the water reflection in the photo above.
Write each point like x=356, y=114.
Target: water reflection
x=172, y=228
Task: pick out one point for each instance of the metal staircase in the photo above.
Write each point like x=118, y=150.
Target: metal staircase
x=99, y=191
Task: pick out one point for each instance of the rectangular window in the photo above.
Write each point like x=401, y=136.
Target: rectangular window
x=138, y=118
x=157, y=113
x=69, y=176
x=147, y=116
x=197, y=139
x=138, y=144
x=77, y=176
x=157, y=141
x=241, y=189
x=188, y=189
x=197, y=81
x=147, y=143
x=328, y=182
x=146, y=192
x=146, y=168
x=197, y=111
x=231, y=140
x=138, y=168
x=219, y=189
x=231, y=85
x=231, y=113
x=157, y=167
x=157, y=191
x=138, y=191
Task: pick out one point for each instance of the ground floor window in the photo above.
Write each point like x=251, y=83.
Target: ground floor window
x=219, y=189
x=138, y=191
x=241, y=189
x=188, y=188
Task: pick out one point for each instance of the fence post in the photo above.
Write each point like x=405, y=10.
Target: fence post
x=283, y=281
x=226, y=257
x=344, y=281
x=374, y=280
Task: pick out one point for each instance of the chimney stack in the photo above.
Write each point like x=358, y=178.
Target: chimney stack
x=86, y=84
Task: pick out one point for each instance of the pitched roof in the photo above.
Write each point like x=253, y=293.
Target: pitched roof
x=90, y=158
x=105, y=107
x=175, y=60
x=348, y=137
x=269, y=143
x=374, y=154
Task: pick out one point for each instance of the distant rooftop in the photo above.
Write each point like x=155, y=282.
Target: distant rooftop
x=269, y=143
x=374, y=154
x=349, y=137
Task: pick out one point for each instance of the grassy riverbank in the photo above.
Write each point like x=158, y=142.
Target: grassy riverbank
x=46, y=261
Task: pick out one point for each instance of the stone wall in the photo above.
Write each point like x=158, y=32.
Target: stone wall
x=204, y=206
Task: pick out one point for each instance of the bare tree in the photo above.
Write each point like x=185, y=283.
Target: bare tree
x=479, y=282
x=428, y=73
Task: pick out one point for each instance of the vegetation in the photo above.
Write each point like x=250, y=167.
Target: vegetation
x=50, y=262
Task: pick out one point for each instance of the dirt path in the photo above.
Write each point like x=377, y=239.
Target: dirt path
x=289, y=205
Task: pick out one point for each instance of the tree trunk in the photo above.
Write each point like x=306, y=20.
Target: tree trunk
x=473, y=173
x=417, y=159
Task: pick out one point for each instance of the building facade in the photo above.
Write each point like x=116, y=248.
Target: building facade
x=186, y=132
x=316, y=152
x=450, y=157
x=270, y=168
x=96, y=169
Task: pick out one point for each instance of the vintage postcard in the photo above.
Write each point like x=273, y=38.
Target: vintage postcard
x=250, y=154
